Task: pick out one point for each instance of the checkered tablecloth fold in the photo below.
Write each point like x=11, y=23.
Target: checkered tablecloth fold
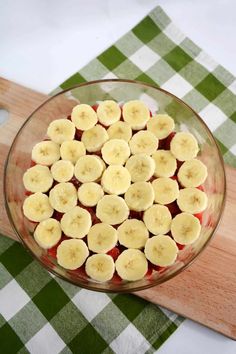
x=40, y=313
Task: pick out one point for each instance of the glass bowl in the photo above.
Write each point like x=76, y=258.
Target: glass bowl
x=60, y=106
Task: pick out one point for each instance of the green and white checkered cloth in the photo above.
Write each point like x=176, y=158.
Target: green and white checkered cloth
x=40, y=313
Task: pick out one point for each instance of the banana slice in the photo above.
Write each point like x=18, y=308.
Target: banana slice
x=62, y=170
x=84, y=117
x=161, y=125
x=133, y=233
x=60, y=130
x=112, y=210
x=192, y=173
x=166, y=190
x=76, y=222
x=108, y=112
x=63, y=197
x=165, y=163
x=136, y=113
x=120, y=130
x=47, y=233
x=72, y=150
x=37, y=208
x=115, y=152
x=102, y=238
x=37, y=179
x=131, y=265
x=192, y=200
x=184, y=146
x=46, y=153
x=144, y=142
x=100, y=267
x=90, y=193
x=71, y=254
x=116, y=179
x=141, y=167
x=88, y=169
x=139, y=196
x=94, y=138
x=161, y=250
x=185, y=228
x=157, y=219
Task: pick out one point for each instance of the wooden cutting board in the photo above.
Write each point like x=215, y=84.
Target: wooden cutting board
x=206, y=291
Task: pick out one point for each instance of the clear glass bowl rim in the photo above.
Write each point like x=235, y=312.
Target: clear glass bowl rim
x=106, y=289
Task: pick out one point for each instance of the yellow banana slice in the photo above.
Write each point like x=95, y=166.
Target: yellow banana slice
x=47, y=233
x=71, y=254
x=192, y=200
x=136, y=113
x=46, y=153
x=192, y=173
x=161, y=250
x=112, y=210
x=72, y=150
x=131, y=265
x=84, y=117
x=116, y=179
x=38, y=179
x=90, y=193
x=115, y=152
x=76, y=222
x=166, y=190
x=165, y=163
x=88, y=169
x=63, y=197
x=133, y=233
x=108, y=112
x=60, y=130
x=139, y=196
x=100, y=267
x=62, y=170
x=185, y=228
x=161, y=125
x=102, y=238
x=184, y=146
x=144, y=142
x=94, y=138
x=37, y=208
x=120, y=130
x=157, y=219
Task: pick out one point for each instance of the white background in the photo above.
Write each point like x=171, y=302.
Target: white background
x=43, y=42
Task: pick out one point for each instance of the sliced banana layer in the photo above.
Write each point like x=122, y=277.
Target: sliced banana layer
x=165, y=163
x=71, y=254
x=76, y=222
x=144, y=142
x=185, y=228
x=47, y=233
x=157, y=219
x=115, y=152
x=62, y=170
x=83, y=117
x=38, y=179
x=72, y=150
x=161, y=125
x=63, y=197
x=90, y=193
x=88, y=169
x=46, y=153
x=161, y=250
x=37, y=208
x=133, y=233
x=94, y=138
x=108, y=112
x=139, y=196
x=136, y=113
x=192, y=173
x=141, y=167
x=184, y=146
x=60, y=130
x=116, y=179
x=166, y=190
x=120, y=130
x=131, y=265
x=100, y=267
x=112, y=210
x=192, y=200
x=102, y=238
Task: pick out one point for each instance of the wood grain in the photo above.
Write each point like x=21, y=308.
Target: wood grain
x=204, y=292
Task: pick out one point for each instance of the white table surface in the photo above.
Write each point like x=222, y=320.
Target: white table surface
x=43, y=42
